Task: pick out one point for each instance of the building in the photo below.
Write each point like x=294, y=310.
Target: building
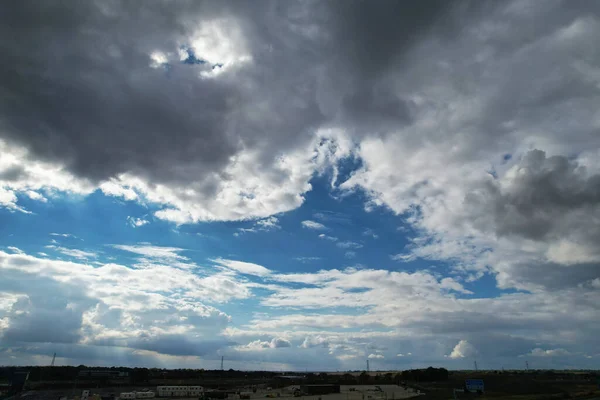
x=180, y=391
x=320, y=389
x=127, y=395
x=92, y=373
x=145, y=395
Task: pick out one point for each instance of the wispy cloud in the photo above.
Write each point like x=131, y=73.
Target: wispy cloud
x=152, y=251
x=538, y=352
x=262, y=225
x=403, y=257
x=313, y=225
x=307, y=259
x=370, y=232
x=330, y=238
x=136, y=222
x=243, y=267
x=15, y=250
x=349, y=245
x=65, y=235
x=75, y=253
x=333, y=217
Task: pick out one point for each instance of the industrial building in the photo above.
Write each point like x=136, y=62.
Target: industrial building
x=180, y=391
x=320, y=389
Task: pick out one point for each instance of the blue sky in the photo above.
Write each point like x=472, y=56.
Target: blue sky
x=96, y=223
x=196, y=180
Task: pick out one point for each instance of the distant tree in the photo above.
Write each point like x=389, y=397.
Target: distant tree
x=363, y=378
x=348, y=379
x=425, y=375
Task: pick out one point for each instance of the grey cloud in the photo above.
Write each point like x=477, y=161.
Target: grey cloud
x=550, y=276
x=180, y=345
x=548, y=197
x=50, y=312
x=74, y=310
x=78, y=88
x=82, y=94
x=553, y=202
x=13, y=173
x=76, y=354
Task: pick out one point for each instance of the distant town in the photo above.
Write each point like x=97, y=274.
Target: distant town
x=94, y=383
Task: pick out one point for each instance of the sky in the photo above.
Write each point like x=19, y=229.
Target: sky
x=300, y=185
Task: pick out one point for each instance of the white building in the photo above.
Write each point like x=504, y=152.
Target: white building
x=180, y=391
x=195, y=391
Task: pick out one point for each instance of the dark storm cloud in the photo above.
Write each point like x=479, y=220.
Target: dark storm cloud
x=544, y=191
x=77, y=87
x=375, y=35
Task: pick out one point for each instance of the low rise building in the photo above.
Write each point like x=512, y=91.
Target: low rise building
x=145, y=395
x=180, y=391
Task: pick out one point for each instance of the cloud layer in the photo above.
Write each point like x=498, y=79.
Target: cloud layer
x=475, y=123
x=353, y=314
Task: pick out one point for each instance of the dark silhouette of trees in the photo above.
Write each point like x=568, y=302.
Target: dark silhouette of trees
x=425, y=375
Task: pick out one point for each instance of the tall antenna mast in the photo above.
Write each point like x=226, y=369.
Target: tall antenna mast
x=53, y=359
x=222, y=363
x=367, y=365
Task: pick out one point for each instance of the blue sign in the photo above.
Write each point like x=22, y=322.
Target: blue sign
x=474, y=385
